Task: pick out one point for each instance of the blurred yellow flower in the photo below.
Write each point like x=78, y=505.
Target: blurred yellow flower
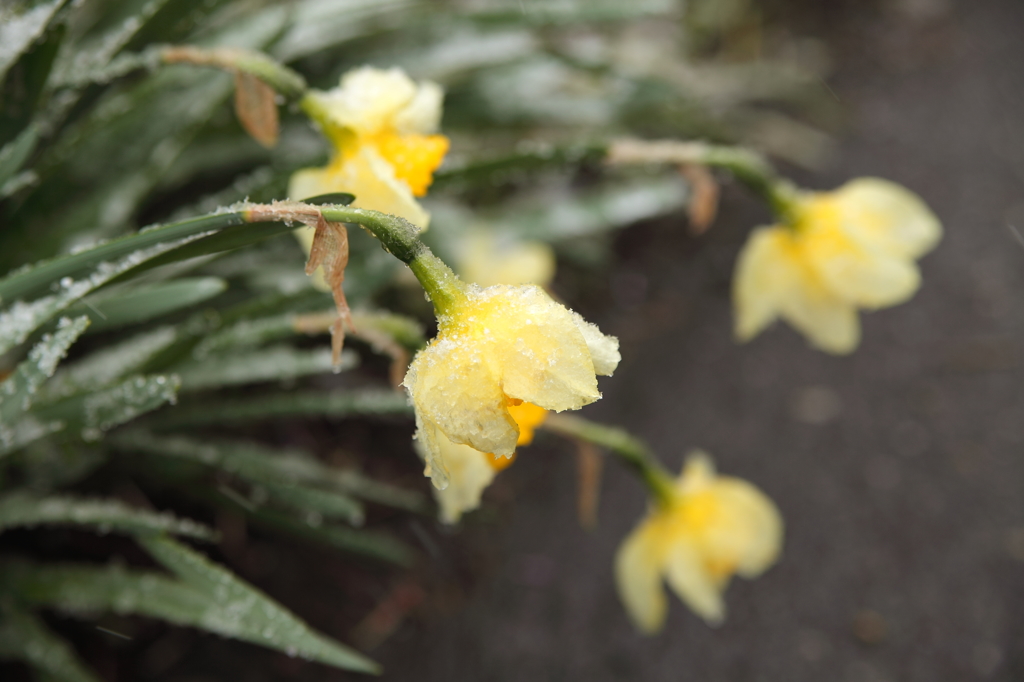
x=381, y=124
x=495, y=348
x=489, y=258
x=712, y=527
x=470, y=471
x=851, y=248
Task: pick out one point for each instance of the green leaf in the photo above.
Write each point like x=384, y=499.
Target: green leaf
x=205, y=596
x=98, y=412
x=18, y=391
x=367, y=543
x=278, y=363
x=246, y=334
x=16, y=152
x=326, y=503
x=142, y=303
x=261, y=465
x=20, y=25
x=23, y=509
x=24, y=636
x=25, y=80
x=26, y=430
x=247, y=613
x=95, y=266
x=342, y=403
x=105, y=366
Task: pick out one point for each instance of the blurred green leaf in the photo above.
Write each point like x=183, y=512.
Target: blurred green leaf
x=97, y=412
x=21, y=23
x=278, y=363
x=110, y=310
x=18, y=390
x=23, y=509
x=204, y=595
x=25, y=80
x=261, y=465
x=24, y=636
x=341, y=403
x=105, y=366
x=15, y=153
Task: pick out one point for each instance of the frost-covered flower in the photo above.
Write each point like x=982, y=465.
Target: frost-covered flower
x=470, y=471
x=381, y=125
x=488, y=257
x=851, y=248
x=497, y=347
x=712, y=527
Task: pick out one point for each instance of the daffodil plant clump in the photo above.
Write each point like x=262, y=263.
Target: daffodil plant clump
x=158, y=323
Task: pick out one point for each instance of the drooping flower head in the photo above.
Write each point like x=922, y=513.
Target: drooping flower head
x=496, y=348
x=711, y=528
x=851, y=248
x=471, y=471
x=382, y=126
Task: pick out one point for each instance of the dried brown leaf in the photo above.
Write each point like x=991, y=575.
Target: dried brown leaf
x=703, y=204
x=256, y=107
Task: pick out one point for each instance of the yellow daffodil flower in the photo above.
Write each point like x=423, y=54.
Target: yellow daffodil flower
x=851, y=248
x=470, y=471
x=489, y=258
x=495, y=348
x=382, y=125
x=711, y=527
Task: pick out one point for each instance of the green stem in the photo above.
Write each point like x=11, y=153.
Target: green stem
x=278, y=76
x=749, y=167
x=399, y=237
x=631, y=450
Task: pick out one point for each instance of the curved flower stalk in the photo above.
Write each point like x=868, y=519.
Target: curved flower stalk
x=381, y=125
x=851, y=248
x=497, y=347
x=471, y=471
x=707, y=528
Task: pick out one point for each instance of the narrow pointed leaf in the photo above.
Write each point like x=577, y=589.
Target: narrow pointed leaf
x=261, y=465
x=96, y=267
x=342, y=403
x=98, y=412
x=104, y=367
x=22, y=509
x=18, y=391
x=24, y=636
x=20, y=26
x=247, y=613
x=142, y=303
x=271, y=364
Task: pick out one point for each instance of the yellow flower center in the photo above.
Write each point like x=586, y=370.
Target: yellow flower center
x=414, y=157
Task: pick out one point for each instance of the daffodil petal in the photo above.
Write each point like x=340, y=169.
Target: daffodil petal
x=638, y=577
x=689, y=579
x=469, y=473
x=753, y=525
x=856, y=270
x=604, y=349
x=368, y=98
x=890, y=215
x=767, y=275
x=461, y=396
x=829, y=323
x=422, y=114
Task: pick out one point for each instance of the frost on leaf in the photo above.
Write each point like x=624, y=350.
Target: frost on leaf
x=121, y=403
